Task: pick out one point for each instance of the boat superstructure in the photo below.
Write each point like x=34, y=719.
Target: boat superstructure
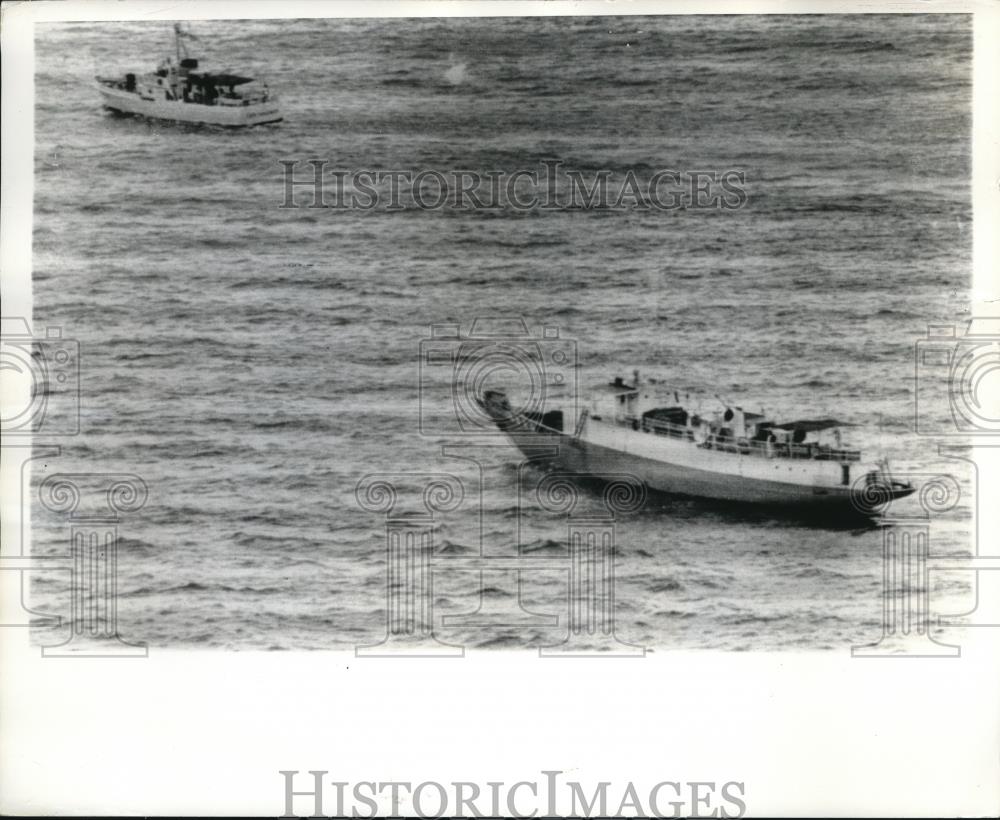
x=178, y=90
x=728, y=455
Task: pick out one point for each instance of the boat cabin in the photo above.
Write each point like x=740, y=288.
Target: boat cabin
x=729, y=429
x=181, y=81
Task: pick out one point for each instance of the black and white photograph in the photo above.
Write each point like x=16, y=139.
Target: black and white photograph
x=500, y=409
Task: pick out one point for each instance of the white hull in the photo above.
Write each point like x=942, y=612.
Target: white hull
x=581, y=456
x=237, y=116
x=679, y=467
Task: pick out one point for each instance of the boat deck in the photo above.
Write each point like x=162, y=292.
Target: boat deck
x=743, y=446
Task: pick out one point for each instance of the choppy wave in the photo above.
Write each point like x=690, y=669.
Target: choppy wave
x=252, y=363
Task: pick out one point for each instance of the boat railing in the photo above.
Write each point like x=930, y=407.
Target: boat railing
x=255, y=98
x=731, y=444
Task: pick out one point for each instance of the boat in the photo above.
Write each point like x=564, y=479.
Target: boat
x=727, y=454
x=180, y=91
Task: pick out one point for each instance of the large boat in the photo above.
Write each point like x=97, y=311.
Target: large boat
x=728, y=455
x=179, y=91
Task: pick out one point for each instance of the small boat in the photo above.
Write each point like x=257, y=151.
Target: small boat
x=729, y=455
x=179, y=91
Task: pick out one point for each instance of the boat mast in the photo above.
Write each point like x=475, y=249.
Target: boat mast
x=179, y=34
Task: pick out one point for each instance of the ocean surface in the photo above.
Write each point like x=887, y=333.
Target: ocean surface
x=252, y=363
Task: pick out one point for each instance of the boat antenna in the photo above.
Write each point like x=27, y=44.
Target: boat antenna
x=179, y=36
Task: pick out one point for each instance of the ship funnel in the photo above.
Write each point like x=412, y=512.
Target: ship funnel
x=739, y=424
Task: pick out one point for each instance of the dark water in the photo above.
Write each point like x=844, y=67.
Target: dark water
x=252, y=363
